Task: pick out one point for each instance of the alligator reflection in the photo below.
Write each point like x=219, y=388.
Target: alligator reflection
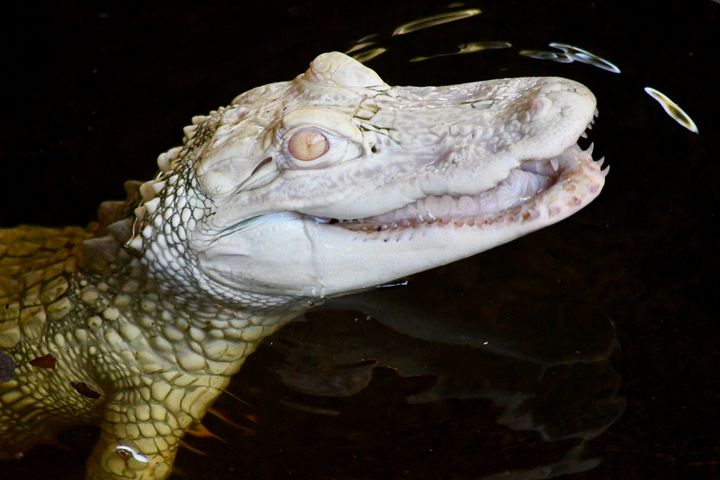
x=518, y=375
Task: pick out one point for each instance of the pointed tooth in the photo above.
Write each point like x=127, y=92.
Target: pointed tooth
x=590, y=149
x=605, y=170
x=555, y=163
x=583, y=135
x=151, y=205
x=198, y=119
x=596, y=113
x=189, y=131
x=600, y=162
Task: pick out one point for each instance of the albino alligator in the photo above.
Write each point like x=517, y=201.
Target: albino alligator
x=324, y=185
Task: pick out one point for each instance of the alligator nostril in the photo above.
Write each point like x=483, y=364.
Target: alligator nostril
x=538, y=105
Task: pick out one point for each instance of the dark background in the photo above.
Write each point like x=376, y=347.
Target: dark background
x=91, y=95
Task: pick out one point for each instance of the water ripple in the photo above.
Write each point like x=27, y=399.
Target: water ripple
x=672, y=109
x=470, y=47
x=433, y=20
x=569, y=53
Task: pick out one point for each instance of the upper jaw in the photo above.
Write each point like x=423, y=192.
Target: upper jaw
x=527, y=179
x=539, y=188
x=500, y=142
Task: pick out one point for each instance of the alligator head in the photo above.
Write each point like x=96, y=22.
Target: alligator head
x=336, y=181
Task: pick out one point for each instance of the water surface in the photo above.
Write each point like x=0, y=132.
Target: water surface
x=588, y=349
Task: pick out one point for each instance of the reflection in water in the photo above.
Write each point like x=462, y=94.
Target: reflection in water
x=484, y=369
x=433, y=20
x=541, y=375
x=367, y=55
x=568, y=54
x=534, y=363
x=358, y=50
x=468, y=48
x=365, y=49
x=125, y=459
x=673, y=109
x=364, y=42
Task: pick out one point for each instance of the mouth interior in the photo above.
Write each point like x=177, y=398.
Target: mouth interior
x=524, y=184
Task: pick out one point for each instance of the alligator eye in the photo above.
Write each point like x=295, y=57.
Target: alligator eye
x=308, y=145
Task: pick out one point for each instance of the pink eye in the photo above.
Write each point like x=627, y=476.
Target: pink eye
x=308, y=145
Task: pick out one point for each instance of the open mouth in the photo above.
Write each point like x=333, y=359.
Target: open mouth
x=566, y=182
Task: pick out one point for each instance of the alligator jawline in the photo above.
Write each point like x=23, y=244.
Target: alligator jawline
x=524, y=185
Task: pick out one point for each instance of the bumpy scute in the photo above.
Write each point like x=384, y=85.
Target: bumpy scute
x=35, y=267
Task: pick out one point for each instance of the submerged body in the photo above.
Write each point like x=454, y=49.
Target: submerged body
x=297, y=191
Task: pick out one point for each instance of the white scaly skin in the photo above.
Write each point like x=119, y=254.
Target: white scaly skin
x=299, y=190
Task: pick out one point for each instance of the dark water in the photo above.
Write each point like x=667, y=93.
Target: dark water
x=589, y=349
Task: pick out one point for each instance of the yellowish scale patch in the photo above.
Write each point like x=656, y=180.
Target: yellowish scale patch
x=34, y=264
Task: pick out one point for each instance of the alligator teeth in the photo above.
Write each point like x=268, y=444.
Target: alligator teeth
x=583, y=135
x=605, y=170
x=198, y=119
x=140, y=212
x=589, y=150
x=555, y=163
